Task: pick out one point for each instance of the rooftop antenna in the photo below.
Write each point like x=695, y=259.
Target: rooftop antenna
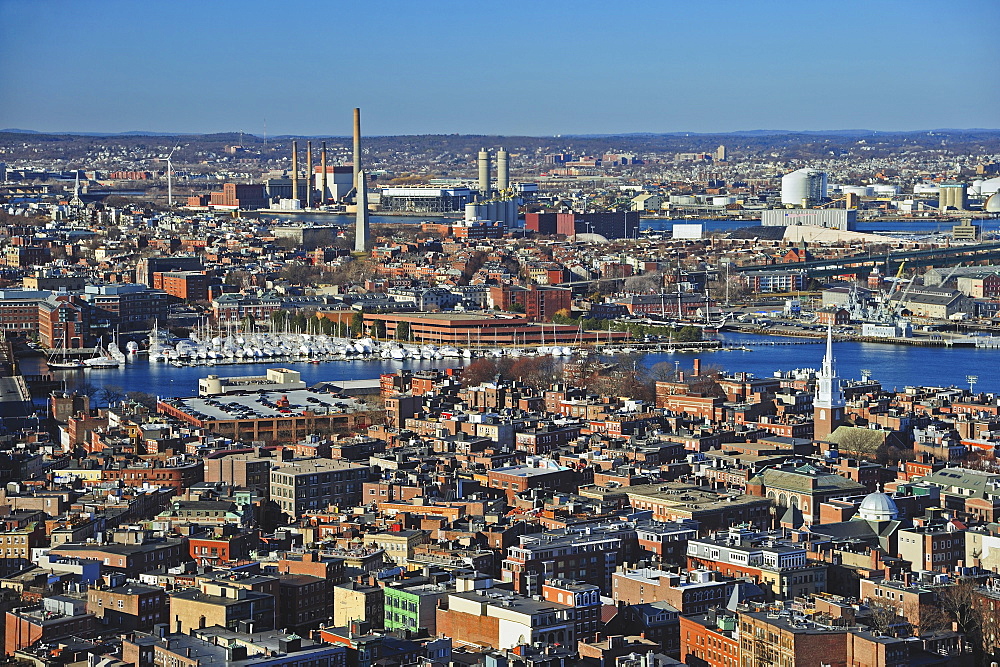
x=972, y=380
x=265, y=133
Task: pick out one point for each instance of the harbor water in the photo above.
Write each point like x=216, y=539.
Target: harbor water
x=895, y=366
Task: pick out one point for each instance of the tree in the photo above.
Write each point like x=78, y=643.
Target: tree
x=563, y=316
x=478, y=372
x=857, y=442
x=357, y=323
x=142, y=398
x=403, y=331
x=110, y=394
x=651, y=281
x=378, y=329
x=970, y=610
x=662, y=371
x=883, y=615
x=278, y=320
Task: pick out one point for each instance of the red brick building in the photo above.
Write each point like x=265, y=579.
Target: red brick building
x=185, y=285
x=240, y=196
x=710, y=639
x=538, y=303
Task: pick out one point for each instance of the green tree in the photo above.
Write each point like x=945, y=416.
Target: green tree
x=378, y=329
x=357, y=323
x=403, y=331
x=278, y=319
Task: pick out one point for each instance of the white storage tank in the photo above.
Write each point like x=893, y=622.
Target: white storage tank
x=925, y=189
x=886, y=190
x=859, y=190
x=989, y=187
x=803, y=184
x=723, y=201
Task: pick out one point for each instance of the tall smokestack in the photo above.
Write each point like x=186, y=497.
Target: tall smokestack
x=484, y=173
x=361, y=221
x=309, y=174
x=503, y=169
x=357, y=144
x=295, y=169
x=322, y=159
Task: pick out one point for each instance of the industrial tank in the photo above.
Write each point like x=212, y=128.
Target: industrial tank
x=803, y=184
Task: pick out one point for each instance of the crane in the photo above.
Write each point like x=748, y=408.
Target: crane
x=895, y=281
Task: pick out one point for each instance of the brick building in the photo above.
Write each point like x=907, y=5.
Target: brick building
x=128, y=607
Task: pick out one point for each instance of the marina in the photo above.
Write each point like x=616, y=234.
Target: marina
x=893, y=366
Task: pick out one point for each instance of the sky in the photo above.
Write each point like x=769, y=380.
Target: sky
x=516, y=67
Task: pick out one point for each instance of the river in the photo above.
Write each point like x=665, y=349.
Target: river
x=893, y=365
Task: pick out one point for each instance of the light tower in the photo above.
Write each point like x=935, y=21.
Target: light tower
x=828, y=406
x=361, y=221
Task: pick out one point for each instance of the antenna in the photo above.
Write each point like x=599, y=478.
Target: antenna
x=265, y=133
x=972, y=380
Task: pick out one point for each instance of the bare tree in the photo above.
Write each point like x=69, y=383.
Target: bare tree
x=857, y=442
x=651, y=281
x=110, y=394
x=883, y=615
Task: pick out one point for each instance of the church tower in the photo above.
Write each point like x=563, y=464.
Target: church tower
x=828, y=405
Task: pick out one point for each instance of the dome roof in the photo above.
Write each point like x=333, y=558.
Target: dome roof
x=878, y=507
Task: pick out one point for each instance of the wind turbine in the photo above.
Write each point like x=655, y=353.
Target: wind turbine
x=170, y=177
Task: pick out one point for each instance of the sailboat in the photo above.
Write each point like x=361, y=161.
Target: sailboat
x=58, y=360
x=102, y=358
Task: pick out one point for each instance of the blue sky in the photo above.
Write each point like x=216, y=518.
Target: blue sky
x=515, y=67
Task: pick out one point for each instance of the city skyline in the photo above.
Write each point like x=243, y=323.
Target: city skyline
x=558, y=68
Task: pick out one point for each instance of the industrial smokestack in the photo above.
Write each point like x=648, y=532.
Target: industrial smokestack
x=484, y=173
x=295, y=169
x=503, y=169
x=357, y=144
x=322, y=159
x=361, y=221
x=309, y=174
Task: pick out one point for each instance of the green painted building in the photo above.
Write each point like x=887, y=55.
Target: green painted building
x=413, y=607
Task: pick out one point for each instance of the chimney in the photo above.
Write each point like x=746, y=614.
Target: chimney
x=484, y=173
x=357, y=144
x=309, y=173
x=696, y=371
x=322, y=159
x=295, y=169
x=503, y=169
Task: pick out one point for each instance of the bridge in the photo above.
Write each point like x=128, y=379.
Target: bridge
x=863, y=264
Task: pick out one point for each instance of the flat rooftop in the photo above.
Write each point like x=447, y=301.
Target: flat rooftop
x=264, y=404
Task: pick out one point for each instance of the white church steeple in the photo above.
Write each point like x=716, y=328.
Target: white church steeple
x=828, y=405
